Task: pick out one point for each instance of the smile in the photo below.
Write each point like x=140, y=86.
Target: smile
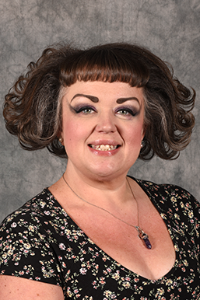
x=104, y=147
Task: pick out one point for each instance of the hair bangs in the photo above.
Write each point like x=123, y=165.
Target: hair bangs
x=107, y=65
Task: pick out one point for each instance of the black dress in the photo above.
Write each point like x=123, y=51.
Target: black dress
x=41, y=242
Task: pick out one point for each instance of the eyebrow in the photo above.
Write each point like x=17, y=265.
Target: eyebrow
x=92, y=98
x=96, y=99
x=122, y=100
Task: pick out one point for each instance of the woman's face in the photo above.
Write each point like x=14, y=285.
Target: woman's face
x=102, y=128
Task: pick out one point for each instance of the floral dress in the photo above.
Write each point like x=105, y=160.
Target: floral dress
x=41, y=242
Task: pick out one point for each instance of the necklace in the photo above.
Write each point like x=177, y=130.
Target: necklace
x=141, y=234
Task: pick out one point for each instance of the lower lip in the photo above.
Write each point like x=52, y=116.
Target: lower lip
x=104, y=153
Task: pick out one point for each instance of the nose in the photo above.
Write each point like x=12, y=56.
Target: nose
x=106, y=123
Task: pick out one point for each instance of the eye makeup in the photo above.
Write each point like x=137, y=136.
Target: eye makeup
x=120, y=110
x=81, y=107
x=133, y=111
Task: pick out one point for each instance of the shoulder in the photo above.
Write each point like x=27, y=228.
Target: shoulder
x=165, y=191
x=170, y=197
x=176, y=206
x=173, y=202
x=27, y=222
x=33, y=211
x=38, y=219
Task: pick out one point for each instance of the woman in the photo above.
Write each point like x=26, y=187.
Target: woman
x=96, y=233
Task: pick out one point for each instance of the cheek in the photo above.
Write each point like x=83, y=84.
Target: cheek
x=135, y=135
x=69, y=130
x=73, y=132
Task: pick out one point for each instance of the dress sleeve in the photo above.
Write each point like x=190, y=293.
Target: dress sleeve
x=186, y=213
x=25, y=250
x=192, y=211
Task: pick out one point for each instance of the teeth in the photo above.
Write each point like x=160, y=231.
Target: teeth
x=104, y=147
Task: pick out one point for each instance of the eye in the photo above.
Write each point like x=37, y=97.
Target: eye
x=125, y=111
x=86, y=110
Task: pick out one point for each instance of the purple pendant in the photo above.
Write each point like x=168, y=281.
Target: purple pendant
x=147, y=242
x=144, y=237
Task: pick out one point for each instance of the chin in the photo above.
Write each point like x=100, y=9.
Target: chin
x=106, y=174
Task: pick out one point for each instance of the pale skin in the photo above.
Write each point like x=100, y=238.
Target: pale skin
x=95, y=114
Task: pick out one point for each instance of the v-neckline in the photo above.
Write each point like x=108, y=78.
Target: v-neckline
x=103, y=253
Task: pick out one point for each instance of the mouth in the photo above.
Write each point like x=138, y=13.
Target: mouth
x=104, y=147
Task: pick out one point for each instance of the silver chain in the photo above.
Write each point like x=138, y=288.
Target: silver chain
x=141, y=234
x=99, y=207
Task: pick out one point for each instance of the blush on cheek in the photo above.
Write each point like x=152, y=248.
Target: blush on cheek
x=72, y=134
x=135, y=139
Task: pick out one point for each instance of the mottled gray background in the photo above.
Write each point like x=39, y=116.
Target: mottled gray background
x=171, y=29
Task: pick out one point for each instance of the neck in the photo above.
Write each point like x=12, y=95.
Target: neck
x=99, y=179
x=101, y=189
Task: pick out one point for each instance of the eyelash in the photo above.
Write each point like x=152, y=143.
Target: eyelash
x=80, y=109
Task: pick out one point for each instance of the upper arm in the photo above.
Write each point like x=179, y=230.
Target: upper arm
x=15, y=288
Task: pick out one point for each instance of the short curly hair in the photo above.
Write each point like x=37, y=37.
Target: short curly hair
x=33, y=107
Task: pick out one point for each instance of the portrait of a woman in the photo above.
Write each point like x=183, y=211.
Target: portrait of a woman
x=98, y=233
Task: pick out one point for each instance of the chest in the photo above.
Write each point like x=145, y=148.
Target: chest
x=121, y=242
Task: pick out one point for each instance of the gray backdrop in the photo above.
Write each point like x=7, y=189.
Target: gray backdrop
x=171, y=29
